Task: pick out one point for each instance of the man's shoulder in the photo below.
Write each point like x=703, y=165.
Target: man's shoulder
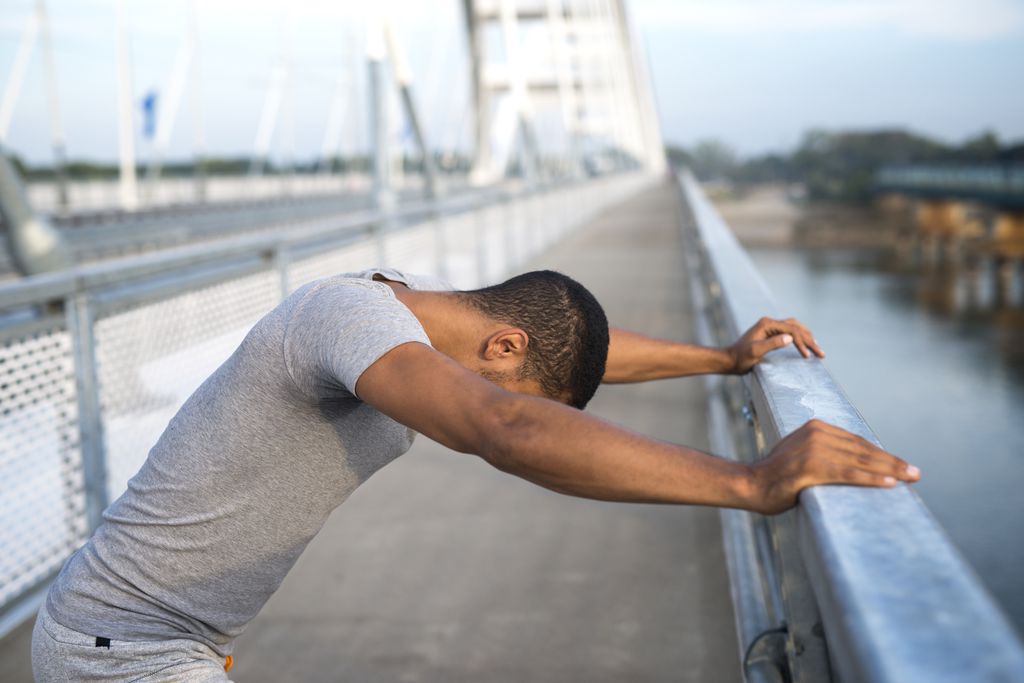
x=342, y=284
x=417, y=281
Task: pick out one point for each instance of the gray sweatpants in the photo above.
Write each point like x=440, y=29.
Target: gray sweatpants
x=61, y=655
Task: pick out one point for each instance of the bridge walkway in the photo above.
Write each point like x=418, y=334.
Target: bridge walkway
x=443, y=569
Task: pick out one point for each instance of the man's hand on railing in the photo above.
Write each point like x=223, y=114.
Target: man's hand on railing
x=820, y=453
x=768, y=335
x=634, y=357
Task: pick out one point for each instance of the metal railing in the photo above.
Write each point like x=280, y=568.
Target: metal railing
x=855, y=584
x=94, y=201
x=94, y=361
x=94, y=236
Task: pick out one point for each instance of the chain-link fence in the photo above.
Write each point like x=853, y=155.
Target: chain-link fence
x=94, y=364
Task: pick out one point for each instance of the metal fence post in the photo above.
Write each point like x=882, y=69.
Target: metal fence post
x=806, y=649
x=377, y=232
x=480, y=231
x=540, y=233
x=79, y=312
x=513, y=232
x=440, y=243
x=281, y=260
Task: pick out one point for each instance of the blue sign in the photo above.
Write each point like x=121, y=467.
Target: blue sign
x=149, y=115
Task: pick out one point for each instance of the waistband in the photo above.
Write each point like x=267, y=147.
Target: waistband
x=68, y=636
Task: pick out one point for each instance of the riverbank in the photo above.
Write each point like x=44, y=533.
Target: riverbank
x=770, y=216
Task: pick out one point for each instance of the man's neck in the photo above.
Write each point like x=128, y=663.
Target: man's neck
x=453, y=327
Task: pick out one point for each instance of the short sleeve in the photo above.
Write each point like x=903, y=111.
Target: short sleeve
x=339, y=328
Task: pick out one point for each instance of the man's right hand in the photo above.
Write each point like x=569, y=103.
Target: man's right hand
x=820, y=453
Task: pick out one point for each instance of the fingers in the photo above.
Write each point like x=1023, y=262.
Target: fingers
x=851, y=459
x=812, y=343
x=803, y=339
x=807, y=337
x=760, y=348
x=820, y=453
x=855, y=477
x=876, y=461
x=800, y=334
x=868, y=455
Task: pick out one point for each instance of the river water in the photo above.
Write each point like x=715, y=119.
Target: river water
x=937, y=369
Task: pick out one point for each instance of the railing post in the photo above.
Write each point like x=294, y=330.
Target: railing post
x=805, y=636
x=377, y=233
x=79, y=314
x=480, y=232
x=440, y=243
x=506, y=232
x=533, y=220
x=281, y=260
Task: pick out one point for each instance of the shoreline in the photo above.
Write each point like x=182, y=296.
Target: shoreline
x=767, y=217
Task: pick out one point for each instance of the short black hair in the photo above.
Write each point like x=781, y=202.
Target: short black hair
x=567, y=327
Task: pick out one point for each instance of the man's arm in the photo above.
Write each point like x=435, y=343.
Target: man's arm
x=568, y=451
x=634, y=357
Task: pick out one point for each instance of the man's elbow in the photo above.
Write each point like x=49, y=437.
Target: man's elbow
x=504, y=429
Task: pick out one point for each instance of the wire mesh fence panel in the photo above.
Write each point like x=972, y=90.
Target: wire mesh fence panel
x=508, y=219
x=572, y=210
x=150, y=358
x=548, y=221
x=42, y=500
x=347, y=259
x=537, y=230
x=496, y=261
x=568, y=211
x=461, y=250
x=413, y=249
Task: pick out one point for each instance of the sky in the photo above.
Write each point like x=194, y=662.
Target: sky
x=758, y=73
x=240, y=41
x=755, y=74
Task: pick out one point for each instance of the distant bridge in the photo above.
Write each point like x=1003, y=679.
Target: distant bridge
x=996, y=185
x=973, y=211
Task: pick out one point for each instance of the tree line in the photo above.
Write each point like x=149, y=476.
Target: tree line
x=839, y=166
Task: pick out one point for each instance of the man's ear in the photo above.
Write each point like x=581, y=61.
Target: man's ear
x=510, y=343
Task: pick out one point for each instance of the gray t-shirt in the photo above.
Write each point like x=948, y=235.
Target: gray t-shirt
x=246, y=473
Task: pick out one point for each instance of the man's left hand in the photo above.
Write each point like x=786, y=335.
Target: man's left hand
x=770, y=334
